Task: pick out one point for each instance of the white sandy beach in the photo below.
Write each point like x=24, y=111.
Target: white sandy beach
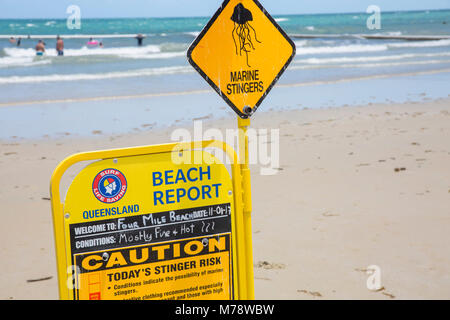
x=357, y=186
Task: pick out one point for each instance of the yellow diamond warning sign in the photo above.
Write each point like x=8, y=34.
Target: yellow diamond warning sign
x=242, y=53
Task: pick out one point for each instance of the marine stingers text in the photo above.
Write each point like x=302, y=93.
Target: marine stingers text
x=244, y=82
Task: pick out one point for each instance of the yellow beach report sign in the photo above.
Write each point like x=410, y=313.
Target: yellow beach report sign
x=137, y=225
x=142, y=227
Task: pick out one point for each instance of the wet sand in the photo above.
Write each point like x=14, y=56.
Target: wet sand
x=356, y=186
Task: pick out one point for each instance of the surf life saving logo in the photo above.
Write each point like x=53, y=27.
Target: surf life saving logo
x=109, y=186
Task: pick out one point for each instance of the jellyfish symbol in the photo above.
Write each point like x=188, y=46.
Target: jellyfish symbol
x=243, y=32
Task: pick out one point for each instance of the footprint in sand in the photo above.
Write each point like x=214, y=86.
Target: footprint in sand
x=388, y=295
x=269, y=266
x=263, y=278
x=363, y=165
x=312, y=293
x=328, y=214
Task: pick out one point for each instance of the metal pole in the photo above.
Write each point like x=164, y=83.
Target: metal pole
x=243, y=124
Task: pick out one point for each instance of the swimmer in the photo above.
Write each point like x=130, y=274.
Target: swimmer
x=140, y=38
x=59, y=46
x=40, y=48
x=92, y=42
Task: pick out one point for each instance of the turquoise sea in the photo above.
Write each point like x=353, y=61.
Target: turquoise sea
x=124, y=84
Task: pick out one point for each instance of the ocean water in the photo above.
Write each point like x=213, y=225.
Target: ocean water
x=122, y=75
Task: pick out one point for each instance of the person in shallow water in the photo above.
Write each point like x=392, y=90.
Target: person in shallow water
x=59, y=46
x=40, y=48
x=140, y=38
x=92, y=42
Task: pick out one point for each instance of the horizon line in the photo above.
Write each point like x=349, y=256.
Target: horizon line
x=205, y=17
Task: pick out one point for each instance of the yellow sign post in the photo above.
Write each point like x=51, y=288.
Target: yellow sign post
x=242, y=53
x=152, y=223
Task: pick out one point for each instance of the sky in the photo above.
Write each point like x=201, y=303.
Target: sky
x=15, y=9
